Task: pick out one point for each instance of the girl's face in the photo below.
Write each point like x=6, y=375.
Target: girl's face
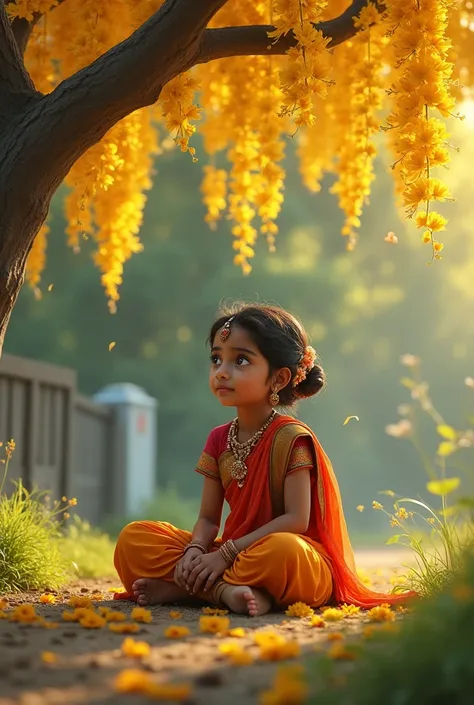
x=239, y=374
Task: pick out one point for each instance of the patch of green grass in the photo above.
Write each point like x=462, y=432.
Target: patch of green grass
x=88, y=551
x=429, y=662
x=29, y=547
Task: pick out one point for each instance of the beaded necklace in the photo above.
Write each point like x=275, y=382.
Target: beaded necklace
x=241, y=451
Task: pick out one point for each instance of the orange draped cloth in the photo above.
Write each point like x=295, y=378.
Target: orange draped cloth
x=311, y=568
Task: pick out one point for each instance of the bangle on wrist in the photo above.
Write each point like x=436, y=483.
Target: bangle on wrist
x=196, y=544
x=229, y=551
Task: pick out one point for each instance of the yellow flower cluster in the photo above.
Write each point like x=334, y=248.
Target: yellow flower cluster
x=134, y=680
x=422, y=85
x=274, y=647
x=330, y=98
x=359, y=93
x=37, y=258
x=305, y=74
x=299, y=609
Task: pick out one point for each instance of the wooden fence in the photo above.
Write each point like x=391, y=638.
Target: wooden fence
x=64, y=441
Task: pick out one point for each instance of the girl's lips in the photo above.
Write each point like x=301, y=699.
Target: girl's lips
x=224, y=389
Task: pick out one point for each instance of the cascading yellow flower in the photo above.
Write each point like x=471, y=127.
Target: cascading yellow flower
x=246, y=106
x=420, y=88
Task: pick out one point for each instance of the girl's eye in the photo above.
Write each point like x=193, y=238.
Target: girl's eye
x=242, y=360
x=215, y=359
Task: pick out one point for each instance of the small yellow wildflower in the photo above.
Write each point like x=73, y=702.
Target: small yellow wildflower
x=360, y=507
x=340, y=652
x=135, y=649
x=133, y=680
x=317, y=621
x=97, y=596
x=176, y=632
x=10, y=448
x=92, y=621
x=236, y=654
x=47, y=599
x=174, y=614
x=215, y=611
x=299, y=609
x=332, y=614
x=214, y=625
x=116, y=589
x=72, y=502
x=274, y=647
x=382, y=613
x=48, y=657
x=79, y=601
x=237, y=632
x=25, y=614
x=115, y=616
x=431, y=520
x=402, y=513
x=140, y=614
x=124, y=628
x=350, y=610
x=377, y=505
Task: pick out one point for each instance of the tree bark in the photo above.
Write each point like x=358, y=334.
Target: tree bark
x=42, y=136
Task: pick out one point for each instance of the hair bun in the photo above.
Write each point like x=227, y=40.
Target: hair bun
x=314, y=381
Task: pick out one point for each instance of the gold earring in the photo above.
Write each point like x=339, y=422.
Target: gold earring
x=274, y=399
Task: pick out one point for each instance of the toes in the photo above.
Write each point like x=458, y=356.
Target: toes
x=140, y=583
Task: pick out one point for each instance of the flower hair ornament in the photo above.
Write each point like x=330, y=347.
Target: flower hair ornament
x=306, y=365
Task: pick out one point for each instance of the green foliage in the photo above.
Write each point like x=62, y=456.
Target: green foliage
x=429, y=662
x=88, y=551
x=29, y=540
x=439, y=536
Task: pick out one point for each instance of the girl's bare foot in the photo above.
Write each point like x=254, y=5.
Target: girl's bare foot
x=152, y=591
x=246, y=600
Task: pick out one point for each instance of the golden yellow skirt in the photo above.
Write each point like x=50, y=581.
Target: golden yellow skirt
x=290, y=567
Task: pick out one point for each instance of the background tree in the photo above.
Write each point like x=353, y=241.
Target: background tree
x=83, y=105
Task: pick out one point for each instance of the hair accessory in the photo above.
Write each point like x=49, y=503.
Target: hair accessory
x=306, y=364
x=274, y=399
x=225, y=332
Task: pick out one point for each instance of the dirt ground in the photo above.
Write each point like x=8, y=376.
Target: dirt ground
x=88, y=660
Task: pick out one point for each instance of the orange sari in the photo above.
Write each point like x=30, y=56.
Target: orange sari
x=262, y=498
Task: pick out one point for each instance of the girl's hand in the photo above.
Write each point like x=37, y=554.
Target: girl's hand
x=182, y=569
x=204, y=571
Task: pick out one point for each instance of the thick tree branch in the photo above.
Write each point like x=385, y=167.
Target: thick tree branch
x=253, y=40
x=81, y=109
x=14, y=78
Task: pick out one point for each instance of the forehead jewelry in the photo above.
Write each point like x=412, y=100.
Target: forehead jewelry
x=225, y=332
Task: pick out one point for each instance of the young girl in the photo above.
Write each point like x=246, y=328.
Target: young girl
x=285, y=539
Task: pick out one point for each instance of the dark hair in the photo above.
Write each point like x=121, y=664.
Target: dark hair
x=281, y=339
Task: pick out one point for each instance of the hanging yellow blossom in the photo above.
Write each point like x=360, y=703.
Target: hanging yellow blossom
x=330, y=97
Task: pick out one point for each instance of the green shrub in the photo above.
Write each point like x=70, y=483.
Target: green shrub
x=29, y=533
x=429, y=662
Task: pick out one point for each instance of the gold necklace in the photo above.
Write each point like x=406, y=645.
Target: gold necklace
x=241, y=451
